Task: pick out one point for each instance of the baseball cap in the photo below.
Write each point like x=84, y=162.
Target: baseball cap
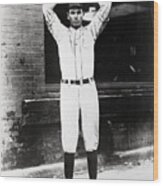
x=75, y=5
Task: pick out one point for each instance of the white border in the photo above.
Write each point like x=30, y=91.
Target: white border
x=47, y=182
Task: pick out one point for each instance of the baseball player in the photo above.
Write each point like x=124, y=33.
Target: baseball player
x=78, y=88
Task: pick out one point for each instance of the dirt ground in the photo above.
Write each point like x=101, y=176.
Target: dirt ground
x=141, y=170
x=127, y=165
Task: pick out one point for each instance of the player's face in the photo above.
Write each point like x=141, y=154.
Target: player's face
x=75, y=16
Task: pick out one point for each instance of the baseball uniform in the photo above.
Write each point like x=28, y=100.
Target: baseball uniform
x=78, y=88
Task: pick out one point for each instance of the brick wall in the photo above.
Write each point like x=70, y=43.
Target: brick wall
x=22, y=70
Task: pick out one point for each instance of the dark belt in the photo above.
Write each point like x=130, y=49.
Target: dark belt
x=77, y=82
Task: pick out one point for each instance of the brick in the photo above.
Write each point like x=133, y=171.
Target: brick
x=22, y=57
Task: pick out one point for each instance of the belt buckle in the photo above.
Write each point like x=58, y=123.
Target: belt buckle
x=81, y=81
x=90, y=80
x=69, y=82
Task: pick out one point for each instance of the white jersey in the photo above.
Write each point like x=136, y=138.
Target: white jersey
x=76, y=46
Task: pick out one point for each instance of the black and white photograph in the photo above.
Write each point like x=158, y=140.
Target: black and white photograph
x=78, y=90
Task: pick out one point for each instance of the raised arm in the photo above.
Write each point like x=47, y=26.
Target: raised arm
x=99, y=21
x=53, y=22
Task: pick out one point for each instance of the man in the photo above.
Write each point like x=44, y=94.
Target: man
x=78, y=89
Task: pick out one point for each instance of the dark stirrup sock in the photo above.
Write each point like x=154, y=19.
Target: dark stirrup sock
x=92, y=164
x=68, y=165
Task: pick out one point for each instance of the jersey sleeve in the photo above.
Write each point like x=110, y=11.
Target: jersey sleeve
x=54, y=24
x=101, y=18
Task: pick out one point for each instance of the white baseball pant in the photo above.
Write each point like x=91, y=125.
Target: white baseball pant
x=73, y=99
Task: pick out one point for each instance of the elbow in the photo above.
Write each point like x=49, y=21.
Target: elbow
x=44, y=8
x=105, y=4
x=108, y=5
x=49, y=6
